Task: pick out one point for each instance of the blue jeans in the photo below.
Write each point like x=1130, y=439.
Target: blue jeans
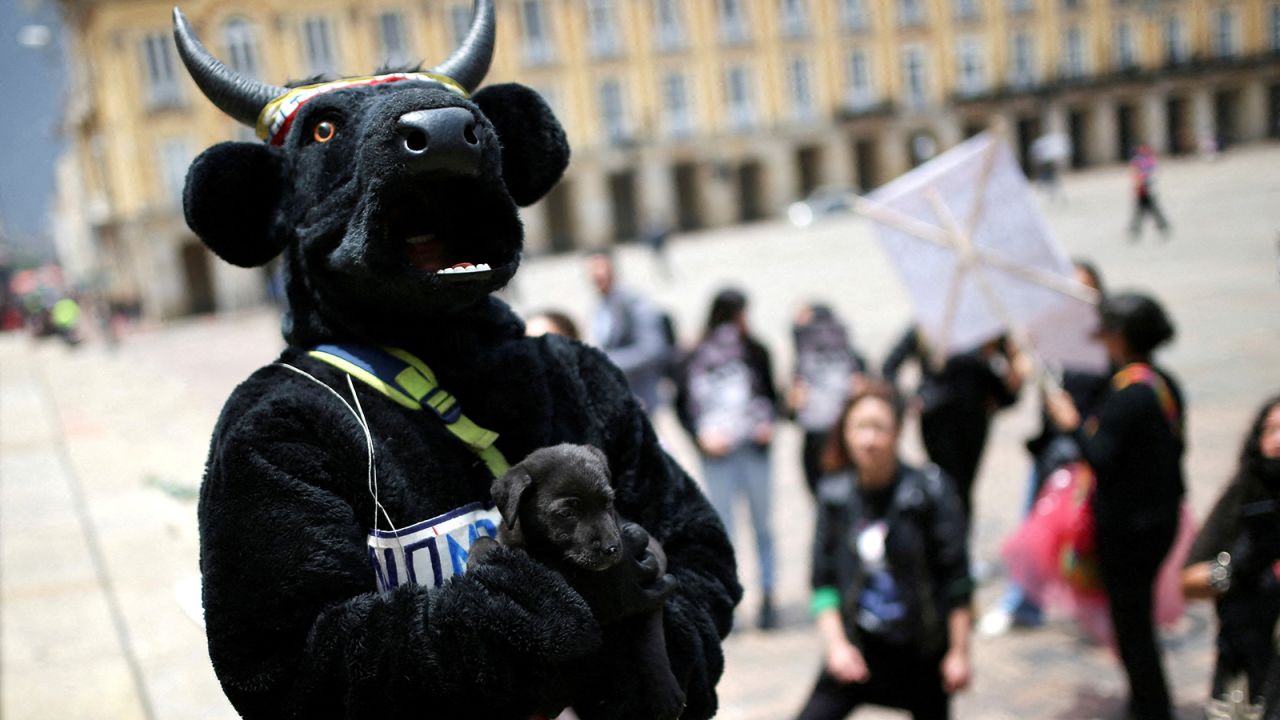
x=744, y=470
x=1015, y=600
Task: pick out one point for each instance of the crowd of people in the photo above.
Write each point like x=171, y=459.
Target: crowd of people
x=891, y=572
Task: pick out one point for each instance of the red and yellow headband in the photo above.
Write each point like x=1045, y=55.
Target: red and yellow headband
x=277, y=117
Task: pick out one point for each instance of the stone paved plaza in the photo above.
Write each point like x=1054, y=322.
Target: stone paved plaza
x=101, y=453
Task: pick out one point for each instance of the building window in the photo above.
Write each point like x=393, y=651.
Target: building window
x=971, y=68
x=173, y=156
x=1176, y=49
x=1225, y=33
x=1074, y=64
x=738, y=95
x=800, y=80
x=853, y=15
x=162, y=88
x=670, y=24
x=535, y=33
x=603, y=25
x=734, y=27
x=1125, y=52
x=318, y=51
x=1023, y=72
x=1274, y=28
x=915, y=76
x=860, y=92
x=393, y=40
x=613, y=112
x=677, y=112
x=795, y=18
x=242, y=48
x=910, y=13
x=967, y=10
x=1018, y=7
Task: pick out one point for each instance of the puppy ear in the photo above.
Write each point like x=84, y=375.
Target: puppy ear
x=230, y=201
x=535, y=151
x=508, y=492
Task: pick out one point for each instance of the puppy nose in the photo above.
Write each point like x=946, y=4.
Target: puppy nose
x=610, y=550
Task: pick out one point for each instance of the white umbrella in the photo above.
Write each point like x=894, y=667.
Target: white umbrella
x=974, y=253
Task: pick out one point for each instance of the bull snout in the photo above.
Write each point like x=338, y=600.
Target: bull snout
x=441, y=139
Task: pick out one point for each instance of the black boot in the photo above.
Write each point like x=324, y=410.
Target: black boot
x=768, y=616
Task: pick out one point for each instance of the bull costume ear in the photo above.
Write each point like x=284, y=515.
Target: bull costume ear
x=230, y=201
x=535, y=152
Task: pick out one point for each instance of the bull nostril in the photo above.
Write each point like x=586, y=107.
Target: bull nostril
x=469, y=134
x=611, y=550
x=416, y=141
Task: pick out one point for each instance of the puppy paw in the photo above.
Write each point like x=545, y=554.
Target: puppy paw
x=480, y=549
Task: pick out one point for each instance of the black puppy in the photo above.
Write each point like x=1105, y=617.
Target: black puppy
x=557, y=504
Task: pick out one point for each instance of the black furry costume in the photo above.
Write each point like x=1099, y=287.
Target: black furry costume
x=296, y=625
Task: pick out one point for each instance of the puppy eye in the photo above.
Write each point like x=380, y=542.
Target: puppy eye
x=570, y=503
x=324, y=131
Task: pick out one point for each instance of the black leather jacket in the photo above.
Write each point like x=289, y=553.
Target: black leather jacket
x=926, y=550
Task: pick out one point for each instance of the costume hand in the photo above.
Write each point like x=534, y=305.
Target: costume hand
x=714, y=443
x=1061, y=410
x=639, y=583
x=846, y=664
x=955, y=671
x=520, y=602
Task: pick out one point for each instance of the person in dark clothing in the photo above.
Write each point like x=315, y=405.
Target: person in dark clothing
x=829, y=369
x=726, y=400
x=1134, y=444
x=958, y=402
x=1142, y=169
x=1234, y=560
x=890, y=572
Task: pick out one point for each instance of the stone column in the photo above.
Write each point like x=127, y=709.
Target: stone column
x=1203, y=122
x=1155, y=121
x=781, y=178
x=838, y=164
x=656, y=192
x=537, y=238
x=1252, y=124
x=717, y=177
x=1102, y=138
x=1054, y=117
x=592, y=217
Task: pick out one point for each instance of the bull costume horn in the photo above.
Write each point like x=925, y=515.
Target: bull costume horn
x=240, y=97
x=469, y=63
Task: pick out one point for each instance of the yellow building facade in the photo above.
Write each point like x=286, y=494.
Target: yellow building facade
x=688, y=113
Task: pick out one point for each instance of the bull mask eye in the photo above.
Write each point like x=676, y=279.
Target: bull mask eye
x=324, y=131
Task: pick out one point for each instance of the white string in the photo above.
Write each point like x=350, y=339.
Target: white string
x=371, y=470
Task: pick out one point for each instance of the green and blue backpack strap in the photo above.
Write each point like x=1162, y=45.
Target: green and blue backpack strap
x=405, y=379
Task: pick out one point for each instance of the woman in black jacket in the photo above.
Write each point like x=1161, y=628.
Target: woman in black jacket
x=890, y=572
x=1234, y=560
x=1134, y=445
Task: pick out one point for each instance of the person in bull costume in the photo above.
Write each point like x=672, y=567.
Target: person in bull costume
x=347, y=479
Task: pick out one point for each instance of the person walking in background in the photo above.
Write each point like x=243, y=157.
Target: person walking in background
x=630, y=330
x=1236, y=560
x=828, y=371
x=1142, y=168
x=1134, y=444
x=727, y=401
x=1049, y=450
x=891, y=586
x=958, y=402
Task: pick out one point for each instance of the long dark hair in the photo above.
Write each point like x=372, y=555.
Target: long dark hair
x=835, y=453
x=1249, y=473
x=727, y=306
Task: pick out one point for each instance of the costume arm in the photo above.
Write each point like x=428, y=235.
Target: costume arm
x=652, y=490
x=296, y=627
